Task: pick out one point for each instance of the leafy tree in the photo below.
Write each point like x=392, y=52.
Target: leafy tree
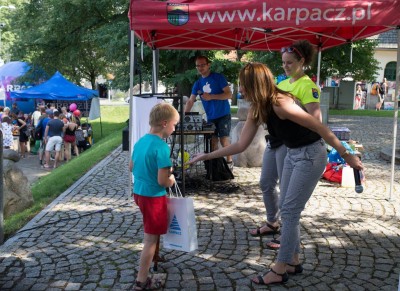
x=178, y=67
x=336, y=61
x=272, y=59
x=82, y=39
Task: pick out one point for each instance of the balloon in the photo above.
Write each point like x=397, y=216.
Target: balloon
x=73, y=107
x=77, y=113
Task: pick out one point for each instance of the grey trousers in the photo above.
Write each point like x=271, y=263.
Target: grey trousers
x=271, y=173
x=301, y=171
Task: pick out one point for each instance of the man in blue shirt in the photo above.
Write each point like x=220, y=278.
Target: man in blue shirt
x=14, y=109
x=214, y=92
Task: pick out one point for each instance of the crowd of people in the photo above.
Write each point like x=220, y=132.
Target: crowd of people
x=51, y=130
x=294, y=159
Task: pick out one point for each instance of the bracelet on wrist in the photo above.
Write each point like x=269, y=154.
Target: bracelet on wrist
x=345, y=153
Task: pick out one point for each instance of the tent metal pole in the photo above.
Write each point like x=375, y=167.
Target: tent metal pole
x=396, y=113
x=319, y=65
x=132, y=58
x=154, y=85
x=132, y=54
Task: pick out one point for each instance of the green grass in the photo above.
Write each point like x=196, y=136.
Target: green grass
x=47, y=188
x=382, y=113
x=234, y=110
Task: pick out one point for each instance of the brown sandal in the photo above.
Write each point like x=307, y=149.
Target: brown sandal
x=150, y=284
x=274, y=244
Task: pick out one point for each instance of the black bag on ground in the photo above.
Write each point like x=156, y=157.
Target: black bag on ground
x=220, y=170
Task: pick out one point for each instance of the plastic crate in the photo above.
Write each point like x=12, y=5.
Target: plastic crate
x=342, y=133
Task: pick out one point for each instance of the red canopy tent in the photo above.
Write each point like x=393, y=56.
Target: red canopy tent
x=260, y=25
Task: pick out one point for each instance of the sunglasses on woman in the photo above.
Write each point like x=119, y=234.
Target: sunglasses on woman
x=291, y=49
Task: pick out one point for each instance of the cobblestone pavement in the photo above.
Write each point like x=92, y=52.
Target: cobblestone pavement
x=90, y=237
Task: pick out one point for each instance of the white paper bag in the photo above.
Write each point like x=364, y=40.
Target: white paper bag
x=182, y=231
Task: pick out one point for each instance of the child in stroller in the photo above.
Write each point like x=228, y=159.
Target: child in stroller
x=83, y=137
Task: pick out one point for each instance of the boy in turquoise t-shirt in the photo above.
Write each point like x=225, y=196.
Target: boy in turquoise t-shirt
x=151, y=167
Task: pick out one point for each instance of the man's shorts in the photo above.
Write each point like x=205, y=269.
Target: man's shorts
x=54, y=141
x=155, y=214
x=222, y=125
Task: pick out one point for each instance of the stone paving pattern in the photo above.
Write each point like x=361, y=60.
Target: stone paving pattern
x=91, y=236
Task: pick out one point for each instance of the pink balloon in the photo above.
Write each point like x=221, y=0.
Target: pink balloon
x=77, y=113
x=73, y=107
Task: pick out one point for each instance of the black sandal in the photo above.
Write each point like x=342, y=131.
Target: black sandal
x=274, y=230
x=298, y=269
x=150, y=284
x=260, y=279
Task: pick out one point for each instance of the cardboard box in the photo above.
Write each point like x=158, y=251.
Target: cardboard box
x=342, y=133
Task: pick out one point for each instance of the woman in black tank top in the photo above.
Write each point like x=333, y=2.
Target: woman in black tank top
x=69, y=139
x=304, y=162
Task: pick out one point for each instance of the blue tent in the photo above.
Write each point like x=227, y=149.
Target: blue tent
x=9, y=72
x=57, y=88
x=13, y=69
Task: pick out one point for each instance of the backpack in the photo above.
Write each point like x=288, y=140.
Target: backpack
x=80, y=139
x=219, y=170
x=79, y=135
x=374, y=90
x=38, y=134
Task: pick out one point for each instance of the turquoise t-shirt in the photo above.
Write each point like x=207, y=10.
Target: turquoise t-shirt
x=150, y=153
x=303, y=89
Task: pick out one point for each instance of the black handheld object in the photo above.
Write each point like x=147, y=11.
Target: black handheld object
x=199, y=92
x=357, y=178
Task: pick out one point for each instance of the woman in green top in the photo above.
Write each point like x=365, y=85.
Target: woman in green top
x=294, y=59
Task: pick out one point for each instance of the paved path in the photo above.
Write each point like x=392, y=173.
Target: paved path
x=90, y=237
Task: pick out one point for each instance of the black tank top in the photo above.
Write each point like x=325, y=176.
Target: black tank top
x=292, y=134
x=70, y=132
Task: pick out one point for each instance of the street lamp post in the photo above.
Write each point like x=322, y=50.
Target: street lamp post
x=110, y=77
x=109, y=90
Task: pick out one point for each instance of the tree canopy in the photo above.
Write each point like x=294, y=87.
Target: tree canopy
x=361, y=66
x=82, y=39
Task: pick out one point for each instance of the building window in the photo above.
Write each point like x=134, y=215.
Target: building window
x=390, y=71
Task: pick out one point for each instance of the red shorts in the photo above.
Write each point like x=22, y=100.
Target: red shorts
x=155, y=214
x=69, y=138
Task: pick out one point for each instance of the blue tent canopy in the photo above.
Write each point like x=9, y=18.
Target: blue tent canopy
x=13, y=69
x=57, y=88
